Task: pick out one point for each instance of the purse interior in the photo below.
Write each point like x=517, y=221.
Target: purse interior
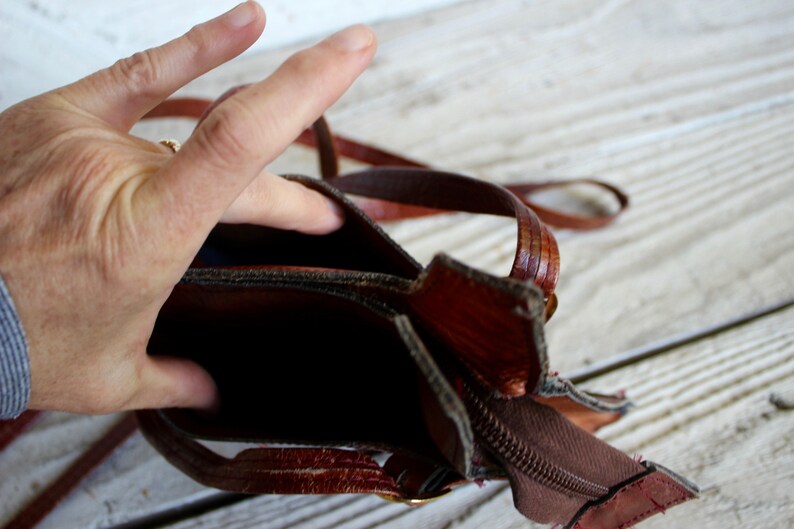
x=358, y=245
x=293, y=366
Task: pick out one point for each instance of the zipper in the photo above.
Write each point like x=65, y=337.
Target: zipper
x=506, y=445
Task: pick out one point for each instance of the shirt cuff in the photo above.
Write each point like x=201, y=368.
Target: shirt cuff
x=14, y=361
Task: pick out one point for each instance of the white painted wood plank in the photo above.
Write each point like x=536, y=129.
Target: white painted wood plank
x=703, y=410
x=33, y=459
x=44, y=45
x=688, y=107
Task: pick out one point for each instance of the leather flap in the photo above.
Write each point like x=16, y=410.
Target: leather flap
x=493, y=325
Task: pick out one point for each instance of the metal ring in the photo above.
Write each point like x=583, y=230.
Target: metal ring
x=171, y=144
x=414, y=502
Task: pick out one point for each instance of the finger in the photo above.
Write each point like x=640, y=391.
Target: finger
x=124, y=92
x=248, y=130
x=271, y=200
x=168, y=382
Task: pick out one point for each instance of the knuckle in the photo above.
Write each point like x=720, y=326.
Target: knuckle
x=198, y=40
x=227, y=133
x=140, y=72
x=305, y=67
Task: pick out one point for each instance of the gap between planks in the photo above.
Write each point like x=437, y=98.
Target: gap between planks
x=639, y=354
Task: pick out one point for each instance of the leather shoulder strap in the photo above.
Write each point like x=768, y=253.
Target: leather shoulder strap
x=11, y=429
x=331, y=146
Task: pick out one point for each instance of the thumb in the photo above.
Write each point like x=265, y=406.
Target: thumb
x=169, y=382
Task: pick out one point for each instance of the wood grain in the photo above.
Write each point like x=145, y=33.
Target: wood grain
x=688, y=106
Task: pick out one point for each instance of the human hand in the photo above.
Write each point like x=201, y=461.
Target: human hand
x=97, y=226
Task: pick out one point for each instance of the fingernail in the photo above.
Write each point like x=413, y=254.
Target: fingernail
x=242, y=15
x=354, y=38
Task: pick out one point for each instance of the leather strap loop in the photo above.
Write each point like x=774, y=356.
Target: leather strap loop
x=569, y=220
x=537, y=255
x=330, y=147
x=269, y=470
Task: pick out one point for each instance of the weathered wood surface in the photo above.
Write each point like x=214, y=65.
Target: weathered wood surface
x=44, y=45
x=688, y=106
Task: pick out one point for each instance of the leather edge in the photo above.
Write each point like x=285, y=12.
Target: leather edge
x=603, y=513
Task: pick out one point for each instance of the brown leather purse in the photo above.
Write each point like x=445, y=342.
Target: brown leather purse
x=357, y=370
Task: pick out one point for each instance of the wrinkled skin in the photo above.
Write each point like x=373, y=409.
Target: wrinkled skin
x=97, y=226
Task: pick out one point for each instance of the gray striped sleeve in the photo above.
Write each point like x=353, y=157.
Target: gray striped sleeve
x=14, y=362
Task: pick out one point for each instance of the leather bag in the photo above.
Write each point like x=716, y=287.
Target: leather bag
x=354, y=369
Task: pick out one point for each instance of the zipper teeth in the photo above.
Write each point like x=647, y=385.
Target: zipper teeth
x=506, y=444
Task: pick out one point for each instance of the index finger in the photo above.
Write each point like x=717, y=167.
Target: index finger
x=248, y=130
